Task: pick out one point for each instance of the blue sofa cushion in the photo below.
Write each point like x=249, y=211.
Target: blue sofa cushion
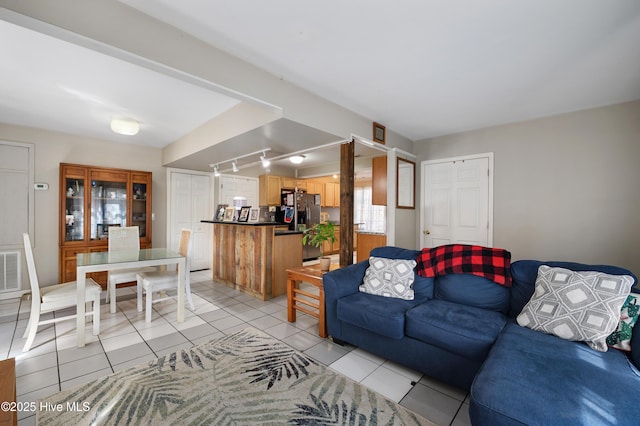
x=421, y=285
x=381, y=315
x=472, y=290
x=463, y=330
x=536, y=378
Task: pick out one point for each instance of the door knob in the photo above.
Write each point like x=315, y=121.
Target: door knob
x=426, y=232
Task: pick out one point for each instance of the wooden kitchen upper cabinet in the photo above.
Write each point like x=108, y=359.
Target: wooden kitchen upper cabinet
x=331, y=194
x=336, y=195
x=269, y=191
x=292, y=183
x=379, y=181
x=314, y=187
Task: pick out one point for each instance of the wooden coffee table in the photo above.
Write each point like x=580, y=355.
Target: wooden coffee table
x=311, y=275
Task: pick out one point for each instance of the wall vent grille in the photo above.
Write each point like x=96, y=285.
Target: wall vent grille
x=9, y=271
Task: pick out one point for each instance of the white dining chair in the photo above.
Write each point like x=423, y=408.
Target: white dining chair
x=122, y=238
x=55, y=297
x=152, y=282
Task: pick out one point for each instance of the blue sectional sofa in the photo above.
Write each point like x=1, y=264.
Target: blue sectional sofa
x=462, y=329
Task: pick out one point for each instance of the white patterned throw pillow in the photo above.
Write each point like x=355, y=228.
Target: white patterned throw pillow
x=579, y=306
x=389, y=278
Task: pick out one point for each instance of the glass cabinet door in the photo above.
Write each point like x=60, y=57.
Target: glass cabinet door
x=74, y=209
x=139, y=207
x=108, y=207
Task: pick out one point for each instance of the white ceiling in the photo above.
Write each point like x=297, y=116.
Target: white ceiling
x=56, y=85
x=432, y=67
x=423, y=68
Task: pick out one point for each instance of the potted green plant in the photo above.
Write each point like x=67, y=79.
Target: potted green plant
x=318, y=234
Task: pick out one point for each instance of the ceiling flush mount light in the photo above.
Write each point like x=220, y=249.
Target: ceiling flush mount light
x=296, y=159
x=234, y=167
x=125, y=126
x=265, y=161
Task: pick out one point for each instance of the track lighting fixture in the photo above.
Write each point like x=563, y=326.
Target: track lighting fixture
x=265, y=162
x=216, y=171
x=234, y=166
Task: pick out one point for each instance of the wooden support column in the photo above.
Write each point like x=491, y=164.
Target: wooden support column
x=347, y=171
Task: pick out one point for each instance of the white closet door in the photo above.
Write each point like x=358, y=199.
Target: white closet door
x=180, y=206
x=200, y=209
x=191, y=203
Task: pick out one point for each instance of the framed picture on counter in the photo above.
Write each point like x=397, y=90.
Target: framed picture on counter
x=220, y=212
x=244, y=214
x=254, y=215
x=229, y=212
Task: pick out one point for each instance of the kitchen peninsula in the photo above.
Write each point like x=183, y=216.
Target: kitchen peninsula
x=254, y=257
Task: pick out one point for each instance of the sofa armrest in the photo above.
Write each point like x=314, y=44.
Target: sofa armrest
x=344, y=281
x=337, y=284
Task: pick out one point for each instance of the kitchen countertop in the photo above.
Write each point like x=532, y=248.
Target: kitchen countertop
x=243, y=223
x=371, y=232
x=287, y=232
x=276, y=233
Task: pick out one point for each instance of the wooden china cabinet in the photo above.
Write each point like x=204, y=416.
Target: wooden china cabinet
x=92, y=199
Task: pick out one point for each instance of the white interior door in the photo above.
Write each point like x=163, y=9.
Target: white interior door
x=238, y=186
x=457, y=201
x=189, y=204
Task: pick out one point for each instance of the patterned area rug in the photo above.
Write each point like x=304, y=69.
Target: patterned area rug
x=247, y=378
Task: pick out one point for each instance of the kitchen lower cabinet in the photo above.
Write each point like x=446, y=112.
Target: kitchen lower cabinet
x=367, y=242
x=252, y=258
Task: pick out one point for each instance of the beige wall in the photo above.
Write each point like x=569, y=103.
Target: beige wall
x=566, y=187
x=53, y=148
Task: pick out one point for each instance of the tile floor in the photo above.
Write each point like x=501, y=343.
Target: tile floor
x=54, y=363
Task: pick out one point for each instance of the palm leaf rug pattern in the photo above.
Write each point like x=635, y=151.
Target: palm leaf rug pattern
x=246, y=378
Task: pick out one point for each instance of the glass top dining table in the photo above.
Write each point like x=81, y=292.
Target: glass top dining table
x=124, y=259
x=120, y=256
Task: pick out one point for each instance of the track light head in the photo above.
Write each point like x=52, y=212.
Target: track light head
x=265, y=161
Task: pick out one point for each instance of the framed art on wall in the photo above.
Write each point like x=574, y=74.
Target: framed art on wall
x=379, y=133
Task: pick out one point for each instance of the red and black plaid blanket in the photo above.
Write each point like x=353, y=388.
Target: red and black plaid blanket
x=491, y=263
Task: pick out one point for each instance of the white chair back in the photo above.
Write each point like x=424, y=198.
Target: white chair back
x=54, y=297
x=33, y=276
x=125, y=238
x=185, y=250
x=148, y=283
